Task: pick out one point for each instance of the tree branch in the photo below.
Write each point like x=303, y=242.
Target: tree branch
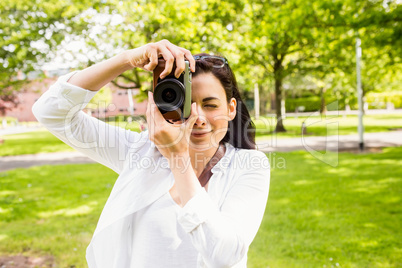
x=127, y=78
x=123, y=87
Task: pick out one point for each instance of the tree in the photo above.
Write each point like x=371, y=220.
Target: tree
x=8, y=100
x=197, y=25
x=280, y=36
x=378, y=25
x=316, y=37
x=29, y=31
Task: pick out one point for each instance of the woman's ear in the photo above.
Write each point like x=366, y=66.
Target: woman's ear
x=232, y=108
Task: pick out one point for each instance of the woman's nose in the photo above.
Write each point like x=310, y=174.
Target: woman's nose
x=201, y=120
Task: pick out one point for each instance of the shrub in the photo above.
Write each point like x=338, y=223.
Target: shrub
x=378, y=100
x=312, y=104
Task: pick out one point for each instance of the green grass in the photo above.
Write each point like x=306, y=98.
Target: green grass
x=52, y=210
x=34, y=142
x=321, y=126
x=317, y=215
x=41, y=141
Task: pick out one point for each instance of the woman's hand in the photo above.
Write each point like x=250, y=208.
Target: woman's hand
x=172, y=140
x=146, y=57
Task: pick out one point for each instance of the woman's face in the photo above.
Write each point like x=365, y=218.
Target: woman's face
x=214, y=112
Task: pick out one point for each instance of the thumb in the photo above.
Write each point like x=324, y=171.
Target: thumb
x=193, y=117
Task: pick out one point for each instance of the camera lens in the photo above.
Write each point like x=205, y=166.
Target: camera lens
x=169, y=95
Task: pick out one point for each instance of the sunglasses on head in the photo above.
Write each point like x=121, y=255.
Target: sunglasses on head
x=216, y=61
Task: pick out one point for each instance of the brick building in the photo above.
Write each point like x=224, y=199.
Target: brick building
x=33, y=90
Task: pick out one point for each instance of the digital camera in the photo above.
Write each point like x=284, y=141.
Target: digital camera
x=172, y=95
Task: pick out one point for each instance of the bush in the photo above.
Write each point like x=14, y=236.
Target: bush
x=124, y=118
x=379, y=100
x=310, y=104
x=10, y=120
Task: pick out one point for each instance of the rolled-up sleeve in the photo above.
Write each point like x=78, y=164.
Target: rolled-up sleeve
x=222, y=235
x=59, y=109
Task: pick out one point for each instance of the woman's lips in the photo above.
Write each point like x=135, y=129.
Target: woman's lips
x=199, y=134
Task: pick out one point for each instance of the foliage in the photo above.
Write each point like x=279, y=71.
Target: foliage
x=280, y=42
x=9, y=120
x=344, y=218
x=277, y=44
x=197, y=25
x=317, y=38
x=310, y=104
x=29, y=32
x=380, y=99
x=377, y=25
x=101, y=100
x=8, y=100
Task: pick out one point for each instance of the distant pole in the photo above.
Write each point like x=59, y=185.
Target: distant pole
x=130, y=102
x=360, y=126
x=256, y=101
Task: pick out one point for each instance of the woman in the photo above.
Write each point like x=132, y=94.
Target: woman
x=159, y=214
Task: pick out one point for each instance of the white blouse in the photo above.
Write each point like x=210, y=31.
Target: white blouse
x=221, y=224
x=156, y=230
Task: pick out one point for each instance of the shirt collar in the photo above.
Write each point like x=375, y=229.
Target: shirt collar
x=224, y=162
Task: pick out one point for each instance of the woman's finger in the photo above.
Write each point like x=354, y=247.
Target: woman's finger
x=152, y=54
x=189, y=57
x=169, y=60
x=180, y=65
x=179, y=59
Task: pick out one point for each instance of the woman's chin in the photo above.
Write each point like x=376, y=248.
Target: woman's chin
x=198, y=145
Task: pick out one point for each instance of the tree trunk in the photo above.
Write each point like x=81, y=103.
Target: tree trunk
x=278, y=107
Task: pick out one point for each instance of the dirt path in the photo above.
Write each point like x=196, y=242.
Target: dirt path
x=337, y=143
x=19, y=261
x=29, y=160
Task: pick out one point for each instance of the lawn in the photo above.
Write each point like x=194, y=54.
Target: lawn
x=323, y=216
x=52, y=210
x=41, y=141
x=317, y=215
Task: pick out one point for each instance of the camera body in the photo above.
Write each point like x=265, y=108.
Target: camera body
x=172, y=95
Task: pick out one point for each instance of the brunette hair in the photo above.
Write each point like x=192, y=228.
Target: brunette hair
x=241, y=130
